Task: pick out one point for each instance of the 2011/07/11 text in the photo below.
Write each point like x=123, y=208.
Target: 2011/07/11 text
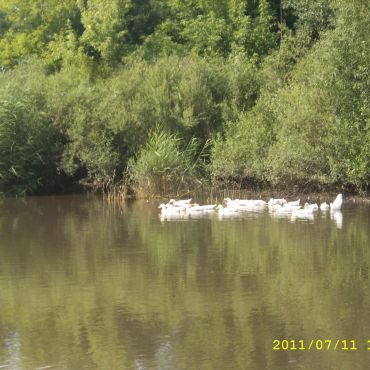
x=316, y=345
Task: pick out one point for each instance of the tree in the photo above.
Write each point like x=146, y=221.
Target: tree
x=28, y=26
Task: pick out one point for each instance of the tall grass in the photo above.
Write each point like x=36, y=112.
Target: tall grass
x=28, y=145
x=165, y=165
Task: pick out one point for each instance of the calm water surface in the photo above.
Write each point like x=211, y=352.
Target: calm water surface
x=85, y=285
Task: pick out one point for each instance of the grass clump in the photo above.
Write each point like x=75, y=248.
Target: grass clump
x=165, y=165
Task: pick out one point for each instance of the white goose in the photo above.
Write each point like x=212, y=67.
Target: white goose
x=226, y=211
x=196, y=208
x=275, y=207
x=246, y=204
x=180, y=203
x=169, y=210
x=337, y=204
x=324, y=206
x=303, y=213
x=273, y=201
x=312, y=206
x=236, y=202
x=294, y=203
x=259, y=203
x=287, y=209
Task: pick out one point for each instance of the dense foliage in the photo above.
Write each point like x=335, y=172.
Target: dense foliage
x=170, y=95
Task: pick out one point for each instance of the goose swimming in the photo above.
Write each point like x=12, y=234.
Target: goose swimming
x=337, y=204
x=226, y=211
x=302, y=214
x=197, y=208
x=313, y=206
x=275, y=207
x=181, y=202
x=236, y=202
x=259, y=202
x=273, y=201
x=169, y=211
x=324, y=206
x=244, y=202
x=294, y=203
x=287, y=209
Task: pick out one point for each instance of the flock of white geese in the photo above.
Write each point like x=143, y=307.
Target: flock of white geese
x=278, y=207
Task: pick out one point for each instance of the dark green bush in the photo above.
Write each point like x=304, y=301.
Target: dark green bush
x=109, y=122
x=241, y=155
x=29, y=147
x=310, y=126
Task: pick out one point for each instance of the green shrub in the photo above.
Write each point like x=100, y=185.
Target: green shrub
x=110, y=120
x=299, y=154
x=90, y=154
x=310, y=126
x=242, y=154
x=28, y=145
x=297, y=115
x=164, y=166
x=322, y=116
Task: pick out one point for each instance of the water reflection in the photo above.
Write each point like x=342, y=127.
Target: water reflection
x=89, y=286
x=337, y=216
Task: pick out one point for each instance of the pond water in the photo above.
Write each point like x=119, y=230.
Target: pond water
x=88, y=285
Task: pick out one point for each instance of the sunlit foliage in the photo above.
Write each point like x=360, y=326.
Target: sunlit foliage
x=280, y=89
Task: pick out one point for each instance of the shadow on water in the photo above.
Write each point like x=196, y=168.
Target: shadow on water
x=86, y=285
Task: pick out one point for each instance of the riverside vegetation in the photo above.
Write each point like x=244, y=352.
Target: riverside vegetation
x=167, y=96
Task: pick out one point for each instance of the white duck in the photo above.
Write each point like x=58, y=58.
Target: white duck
x=226, y=211
x=337, y=204
x=246, y=204
x=275, y=207
x=273, y=201
x=169, y=211
x=196, y=208
x=180, y=203
x=282, y=212
x=259, y=202
x=303, y=213
x=294, y=203
x=324, y=206
x=312, y=206
x=234, y=203
x=287, y=209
